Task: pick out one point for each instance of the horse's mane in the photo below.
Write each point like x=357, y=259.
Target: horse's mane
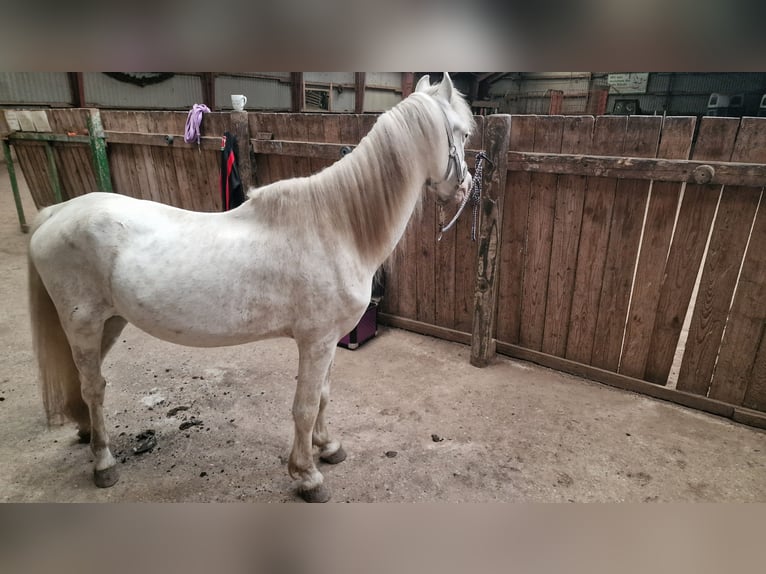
x=370, y=190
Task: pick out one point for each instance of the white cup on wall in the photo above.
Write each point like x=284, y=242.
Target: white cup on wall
x=238, y=102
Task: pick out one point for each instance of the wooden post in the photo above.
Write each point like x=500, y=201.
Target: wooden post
x=359, y=84
x=14, y=187
x=240, y=127
x=297, y=90
x=408, y=83
x=497, y=136
x=208, y=89
x=78, y=89
x=98, y=149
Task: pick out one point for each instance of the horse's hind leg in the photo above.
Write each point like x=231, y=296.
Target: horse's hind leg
x=87, y=354
x=112, y=329
x=330, y=451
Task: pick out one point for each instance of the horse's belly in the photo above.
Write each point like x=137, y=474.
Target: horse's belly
x=202, y=329
x=204, y=317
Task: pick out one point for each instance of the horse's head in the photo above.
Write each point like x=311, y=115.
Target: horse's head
x=451, y=180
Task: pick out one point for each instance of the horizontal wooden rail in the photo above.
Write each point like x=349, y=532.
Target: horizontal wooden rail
x=712, y=172
x=45, y=137
x=425, y=328
x=316, y=150
x=712, y=406
x=313, y=150
x=699, y=402
x=161, y=140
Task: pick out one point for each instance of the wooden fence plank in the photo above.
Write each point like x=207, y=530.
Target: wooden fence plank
x=745, y=326
x=719, y=278
x=542, y=203
x=514, y=232
x=715, y=141
x=675, y=143
x=425, y=261
x=465, y=251
x=444, y=280
x=755, y=395
x=570, y=197
x=123, y=161
x=285, y=168
x=747, y=317
x=77, y=175
x=262, y=123
x=608, y=137
x=641, y=140
x=727, y=247
x=150, y=123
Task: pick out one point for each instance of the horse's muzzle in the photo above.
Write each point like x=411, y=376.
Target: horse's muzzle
x=464, y=188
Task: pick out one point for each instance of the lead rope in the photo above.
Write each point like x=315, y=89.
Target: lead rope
x=193, y=121
x=474, y=196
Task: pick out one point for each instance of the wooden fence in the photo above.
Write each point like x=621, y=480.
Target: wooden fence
x=594, y=234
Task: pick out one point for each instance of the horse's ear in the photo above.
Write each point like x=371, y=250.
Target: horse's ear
x=423, y=83
x=445, y=88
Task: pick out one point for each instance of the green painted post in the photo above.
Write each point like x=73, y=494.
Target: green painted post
x=15, y=187
x=53, y=173
x=98, y=148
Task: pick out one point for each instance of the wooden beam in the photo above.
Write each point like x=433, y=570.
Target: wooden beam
x=46, y=137
x=78, y=89
x=425, y=328
x=208, y=89
x=162, y=140
x=497, y=138
x=408, y=83
x=617, y=380
x=314, y=150
x=698, y=402
x=298, y=87
x=359, y=88
x=701, y=172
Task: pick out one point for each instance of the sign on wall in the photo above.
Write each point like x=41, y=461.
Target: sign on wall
x=631, y=83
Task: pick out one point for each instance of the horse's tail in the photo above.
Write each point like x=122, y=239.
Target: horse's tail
x=59, y=379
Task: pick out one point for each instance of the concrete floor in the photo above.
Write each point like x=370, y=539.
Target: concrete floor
x=512, y=432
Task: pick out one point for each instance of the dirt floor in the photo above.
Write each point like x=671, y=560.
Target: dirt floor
x=418, y=423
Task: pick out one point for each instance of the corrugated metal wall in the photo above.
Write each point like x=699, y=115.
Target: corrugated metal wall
x=267, y=92
x=686, y=93
x=677, y=93
x=380, y=100
x=35, y=88
x=180, y=92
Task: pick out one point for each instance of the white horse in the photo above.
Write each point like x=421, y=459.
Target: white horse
x=295, y=260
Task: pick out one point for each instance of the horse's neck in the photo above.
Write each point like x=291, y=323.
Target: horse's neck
x=379, y=186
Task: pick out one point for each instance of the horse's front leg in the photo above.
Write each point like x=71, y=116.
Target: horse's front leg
x=314, y=363
x=330, y=450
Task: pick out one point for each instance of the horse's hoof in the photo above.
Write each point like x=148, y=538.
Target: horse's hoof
x=105, y=478
x=83, y=437
x=334, y=458
x=317, y=494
